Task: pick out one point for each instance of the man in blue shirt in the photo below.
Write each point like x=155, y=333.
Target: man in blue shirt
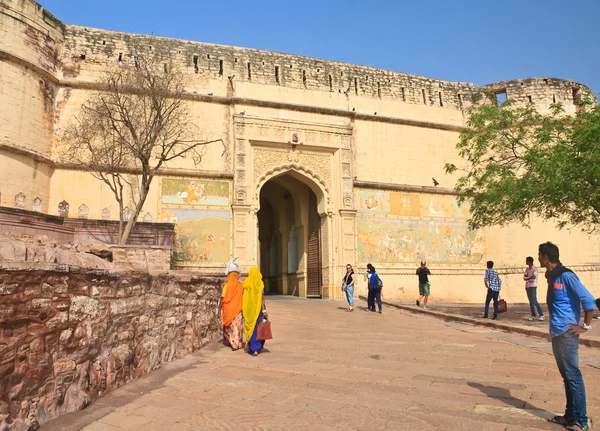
x=565, y=297
x=493, y=283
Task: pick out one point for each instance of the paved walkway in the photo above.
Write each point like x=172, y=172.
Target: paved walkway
x=332, y=370
x=515, y=320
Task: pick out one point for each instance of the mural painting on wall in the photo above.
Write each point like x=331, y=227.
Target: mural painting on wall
x=410, y=204
x=199, y=208
x=390, y=241
x=186, y=191
x=201, y=235
x=443, y=206
x=372, y=201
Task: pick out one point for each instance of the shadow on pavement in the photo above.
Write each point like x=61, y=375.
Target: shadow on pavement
x=504, y=395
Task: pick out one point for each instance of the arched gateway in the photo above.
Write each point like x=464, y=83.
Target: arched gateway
x=289, y=232
x=288, y=208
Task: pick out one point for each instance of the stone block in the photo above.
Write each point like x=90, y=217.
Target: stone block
x=83, y=307
x=129, y=305
x=12, y=249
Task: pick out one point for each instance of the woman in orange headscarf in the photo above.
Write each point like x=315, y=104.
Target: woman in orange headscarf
x=231, y=301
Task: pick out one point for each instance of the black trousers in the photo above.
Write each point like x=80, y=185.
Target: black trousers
x=374, y=295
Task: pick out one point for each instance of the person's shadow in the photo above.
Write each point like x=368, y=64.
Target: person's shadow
x=504, y=395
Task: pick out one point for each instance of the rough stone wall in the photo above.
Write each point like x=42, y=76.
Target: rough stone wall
x=70, y=335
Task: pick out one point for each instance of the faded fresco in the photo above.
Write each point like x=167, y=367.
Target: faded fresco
x=186, y=191
x=391, y=241
x=201, y=236
x=373, y=201
x=405, y=204
x=199, y=208
x=443, y=207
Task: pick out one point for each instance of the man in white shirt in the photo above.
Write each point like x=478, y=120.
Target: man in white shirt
x=531, y=279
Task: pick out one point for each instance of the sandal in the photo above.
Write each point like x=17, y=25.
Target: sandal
x=349, y=309
x=577, y=427
x=255, y=354
x=560, y=420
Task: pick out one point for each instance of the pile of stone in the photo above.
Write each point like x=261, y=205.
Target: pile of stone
x=42, y=249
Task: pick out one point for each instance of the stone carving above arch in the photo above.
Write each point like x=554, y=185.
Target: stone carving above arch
x=282, y=169
x=105, y=214
x=83, y=211
x=37, y=205
x=126, y=214
x=19, y=200
x=63, y=209
x=147, y=218
x=316, y=165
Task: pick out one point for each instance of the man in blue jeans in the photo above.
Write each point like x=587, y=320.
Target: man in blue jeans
x=531, y=283
x=493, y=283
x=565, y=297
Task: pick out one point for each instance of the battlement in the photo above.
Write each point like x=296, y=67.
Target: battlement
x=211, y=61
x=543, y=92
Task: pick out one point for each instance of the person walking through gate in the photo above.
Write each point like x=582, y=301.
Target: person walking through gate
x=374, y=286
x=424, y=286
x=566, y=295
x=531, y=280
x=493, y=284
x=348, y=284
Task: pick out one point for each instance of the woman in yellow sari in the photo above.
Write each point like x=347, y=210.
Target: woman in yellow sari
x=253, y=309
x=231, y=301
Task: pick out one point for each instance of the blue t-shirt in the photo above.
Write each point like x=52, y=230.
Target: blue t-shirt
x=569, y=296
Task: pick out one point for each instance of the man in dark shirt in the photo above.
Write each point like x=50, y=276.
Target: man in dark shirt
x=423, y=272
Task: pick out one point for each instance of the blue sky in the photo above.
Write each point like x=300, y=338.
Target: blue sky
x=479, y=41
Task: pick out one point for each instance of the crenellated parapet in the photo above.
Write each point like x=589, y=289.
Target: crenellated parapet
x=542, y=92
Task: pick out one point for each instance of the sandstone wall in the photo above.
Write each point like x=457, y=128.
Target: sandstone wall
x=70, y=335
x=30, y=43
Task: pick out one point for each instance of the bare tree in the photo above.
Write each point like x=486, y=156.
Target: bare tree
x=135, y=123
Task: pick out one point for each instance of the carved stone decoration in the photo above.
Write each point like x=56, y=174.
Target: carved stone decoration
x=20, y=200
x=83, y=211
x=348, y=201
x=63, y=209
x=147, y=218
x=240, y=197
x=105, y=214
x=126, y=214
x=37, y=205
x=266, y=162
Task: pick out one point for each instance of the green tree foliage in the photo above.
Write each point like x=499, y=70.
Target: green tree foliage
x=521, y=163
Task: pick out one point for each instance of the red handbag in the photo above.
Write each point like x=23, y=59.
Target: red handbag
x=502, y=306
x=264, y=331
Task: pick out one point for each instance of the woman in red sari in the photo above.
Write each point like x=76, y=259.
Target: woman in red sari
x=231, y=301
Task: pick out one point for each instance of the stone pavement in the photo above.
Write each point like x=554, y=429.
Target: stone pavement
x=514, y=320
x=332, y=370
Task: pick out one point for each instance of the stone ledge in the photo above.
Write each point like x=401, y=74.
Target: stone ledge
x=585, y=341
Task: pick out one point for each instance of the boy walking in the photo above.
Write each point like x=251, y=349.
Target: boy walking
x=531, y=279
x=423, y=273
x=493, y=284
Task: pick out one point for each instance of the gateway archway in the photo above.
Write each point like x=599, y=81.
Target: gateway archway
x=290, y=246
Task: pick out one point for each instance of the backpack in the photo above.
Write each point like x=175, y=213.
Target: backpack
x=377, y=283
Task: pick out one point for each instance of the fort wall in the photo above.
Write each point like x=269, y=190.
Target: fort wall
x=395, y=131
